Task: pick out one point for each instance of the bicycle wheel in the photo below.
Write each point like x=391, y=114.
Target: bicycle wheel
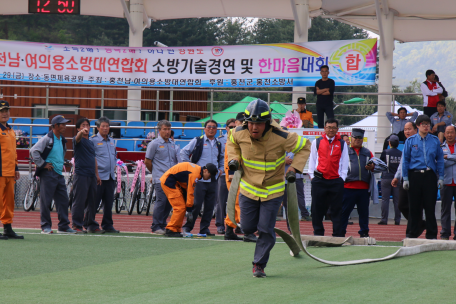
x=70, y=193
x=134, y=196
x=141, y=201
x=99, y=206
x=36, y=194
x=120, y=198
x=150, y=198
x=29, y=196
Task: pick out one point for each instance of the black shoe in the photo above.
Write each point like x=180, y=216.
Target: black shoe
x=111, y=230
x=422, y=228
x=209, y=234
x=3, y=237
x=170, y=233
x=9, y=233
x=238, y=230
x=258, y=271
x=230, y=235
x=96, y=231
x=397, y=223
x=364, y=235
x=250, y=238
x=382, y=223
x=350, y=223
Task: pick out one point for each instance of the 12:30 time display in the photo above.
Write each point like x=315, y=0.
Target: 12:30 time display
x=67, y=7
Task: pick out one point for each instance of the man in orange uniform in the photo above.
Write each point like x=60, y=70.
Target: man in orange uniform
x=304, y=114
x=9, y=173
x=179, y=178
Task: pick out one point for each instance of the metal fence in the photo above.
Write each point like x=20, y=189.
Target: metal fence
x=209, y=112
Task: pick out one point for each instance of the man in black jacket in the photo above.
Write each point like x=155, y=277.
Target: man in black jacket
x=392, y=157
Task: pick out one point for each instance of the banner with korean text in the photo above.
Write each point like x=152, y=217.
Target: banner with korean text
x=351, y=62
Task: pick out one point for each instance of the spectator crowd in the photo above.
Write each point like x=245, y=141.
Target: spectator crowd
x=419, y=158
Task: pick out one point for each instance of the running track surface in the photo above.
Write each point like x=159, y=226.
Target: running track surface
x=142, y=223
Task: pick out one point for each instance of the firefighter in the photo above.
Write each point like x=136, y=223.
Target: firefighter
x=259, y=147
x=177, y=180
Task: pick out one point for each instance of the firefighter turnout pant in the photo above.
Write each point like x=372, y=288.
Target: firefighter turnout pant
x=260, y=216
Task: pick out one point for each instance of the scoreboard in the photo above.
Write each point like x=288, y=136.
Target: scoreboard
x=62, y=7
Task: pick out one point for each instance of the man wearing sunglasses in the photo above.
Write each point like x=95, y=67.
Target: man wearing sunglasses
x=223, y=190
x=201, y=151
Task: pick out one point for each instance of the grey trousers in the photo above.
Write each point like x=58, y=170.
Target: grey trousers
x=221, y=202
x=447, y=194
x=85, y=193
x=204, y=193
x=387, y=191
x=52, y=186
x=105, y=193
x=162, y=208
x=260, y=216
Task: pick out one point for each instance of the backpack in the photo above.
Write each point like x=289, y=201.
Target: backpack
x=198, y=150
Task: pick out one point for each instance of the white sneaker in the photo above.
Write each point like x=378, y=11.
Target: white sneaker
x=159, y=232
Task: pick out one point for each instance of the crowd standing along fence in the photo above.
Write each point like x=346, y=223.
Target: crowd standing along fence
x=184, y=108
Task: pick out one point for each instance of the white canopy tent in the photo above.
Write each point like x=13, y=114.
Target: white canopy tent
x=402, y=20
x=370, y=123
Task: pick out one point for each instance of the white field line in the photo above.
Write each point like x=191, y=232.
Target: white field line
x=163, y=238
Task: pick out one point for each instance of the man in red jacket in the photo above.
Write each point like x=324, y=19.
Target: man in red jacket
x=328, y=166
x=431, y=90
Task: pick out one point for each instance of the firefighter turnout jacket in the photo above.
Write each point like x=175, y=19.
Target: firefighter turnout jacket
x=263, y=160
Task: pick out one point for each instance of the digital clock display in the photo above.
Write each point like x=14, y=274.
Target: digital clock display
x=65, y=7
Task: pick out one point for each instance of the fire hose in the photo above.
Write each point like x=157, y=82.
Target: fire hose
x=297, y=242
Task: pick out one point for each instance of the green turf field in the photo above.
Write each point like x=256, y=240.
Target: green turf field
x=142, y=268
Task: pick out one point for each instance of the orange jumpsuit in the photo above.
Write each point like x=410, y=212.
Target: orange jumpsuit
x=8, y=168
x=237, y=210
x=182, y=176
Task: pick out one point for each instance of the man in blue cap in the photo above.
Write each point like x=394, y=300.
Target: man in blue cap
x=48, y=154
x=356, y=185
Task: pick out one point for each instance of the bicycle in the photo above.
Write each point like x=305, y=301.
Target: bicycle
x=32, y=195
x=119, y=194
x=69, y=184
x=138, y=189
x=150, y=198
x=33, y=190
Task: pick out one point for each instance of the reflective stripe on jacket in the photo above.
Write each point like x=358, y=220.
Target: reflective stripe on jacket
x=263, y=160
